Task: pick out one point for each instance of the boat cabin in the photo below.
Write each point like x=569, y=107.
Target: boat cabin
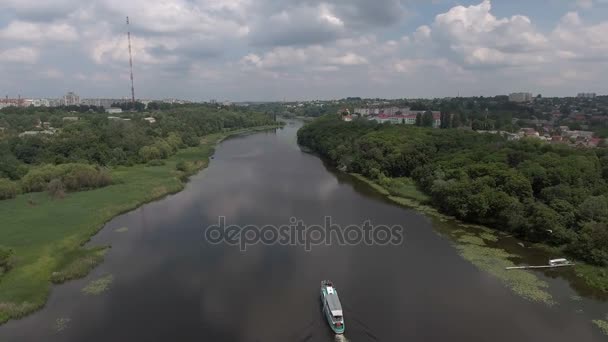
x=334, y=306
x=559, y=262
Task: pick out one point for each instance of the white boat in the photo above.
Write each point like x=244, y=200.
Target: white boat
x=332, y=307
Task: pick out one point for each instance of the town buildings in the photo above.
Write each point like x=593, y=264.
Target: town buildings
x=71, y=99
x=520, y=97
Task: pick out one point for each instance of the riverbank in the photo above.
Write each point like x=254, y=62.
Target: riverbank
x=47, y=234
x=480, y=245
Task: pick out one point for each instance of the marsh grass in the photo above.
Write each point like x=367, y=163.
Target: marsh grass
x=602, y=325
x=99, y=286
x=79, y=266
x=471, y=241
x=47, y=236
x=61, y=324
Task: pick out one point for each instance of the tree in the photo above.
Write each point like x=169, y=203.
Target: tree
x=418, y=119
x=428, y=119
x=56, y=188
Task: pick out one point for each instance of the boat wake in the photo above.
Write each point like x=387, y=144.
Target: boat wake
x=341, y=338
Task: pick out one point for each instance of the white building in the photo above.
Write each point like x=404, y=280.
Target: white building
x=71, y=99
x=520, y=97
x=105, y=103
x=113, y=110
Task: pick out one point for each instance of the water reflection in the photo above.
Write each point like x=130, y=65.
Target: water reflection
x=171, y=286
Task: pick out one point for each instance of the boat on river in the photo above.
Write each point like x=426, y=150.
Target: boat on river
x=332, y=308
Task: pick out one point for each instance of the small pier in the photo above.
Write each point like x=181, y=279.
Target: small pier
x=552, y=264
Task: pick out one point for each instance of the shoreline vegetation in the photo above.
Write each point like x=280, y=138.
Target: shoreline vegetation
x=474, y=243
x=414, y=167
x=48, y=234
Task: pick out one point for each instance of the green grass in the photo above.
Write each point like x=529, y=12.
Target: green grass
x=99, y=286
x=594, y=276
x=47, y=235
x=380, y=189
x=406, y=188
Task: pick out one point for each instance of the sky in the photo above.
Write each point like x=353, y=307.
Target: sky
x=268, y=50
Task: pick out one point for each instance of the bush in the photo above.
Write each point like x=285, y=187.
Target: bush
x=82, y=177
x=56, y=188
x=74, y=177
x=8, y=189
x=148, y=153
x=37, y=179
x=182, y=166
x=5, y=259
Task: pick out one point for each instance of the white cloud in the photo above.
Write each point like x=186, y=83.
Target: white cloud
x=348, y=59
x=38, y=32
x=306, y=47
x=479, y=38
x=25, y=55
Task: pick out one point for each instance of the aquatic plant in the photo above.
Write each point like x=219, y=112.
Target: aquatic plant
x=495, y=261
x=99, y=286
x=122, y=230
x=61, y=324
x=602, y=324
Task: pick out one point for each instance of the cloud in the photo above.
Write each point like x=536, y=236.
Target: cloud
x=299, y=26
x=38, y=32
x=26, y=55
x=579, y=41
x=478, y=38
x=301, y=48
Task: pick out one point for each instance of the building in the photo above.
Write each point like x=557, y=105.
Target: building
x=150, y=120
x=105, y=103
x=520, y=97
x=113, y=110
x=71, y=99
x=6, y=102
x=586, y=95
x=407, y=119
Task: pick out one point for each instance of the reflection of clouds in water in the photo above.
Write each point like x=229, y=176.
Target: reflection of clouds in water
x=327, y=188
x=247, y=155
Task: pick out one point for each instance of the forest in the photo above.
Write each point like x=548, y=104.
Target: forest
x=85, y=142
x=539, y=192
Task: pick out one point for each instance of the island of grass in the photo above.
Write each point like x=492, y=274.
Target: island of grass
x=47, y=234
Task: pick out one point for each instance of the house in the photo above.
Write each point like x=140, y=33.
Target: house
x=407, y=119
x=32, y=133
x=347, y=118
x=594, y=142
x=150, y=120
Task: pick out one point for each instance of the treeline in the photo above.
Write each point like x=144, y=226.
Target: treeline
x=82, y=149
x=538, y=192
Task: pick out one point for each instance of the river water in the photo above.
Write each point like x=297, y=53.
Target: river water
x=171, y=285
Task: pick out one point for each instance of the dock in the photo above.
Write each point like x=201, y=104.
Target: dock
x=537, y=267
x=553, y=263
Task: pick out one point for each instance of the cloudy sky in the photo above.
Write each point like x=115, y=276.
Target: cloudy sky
x=303, y=49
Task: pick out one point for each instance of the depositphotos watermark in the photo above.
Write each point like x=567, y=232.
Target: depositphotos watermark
x=299, y=234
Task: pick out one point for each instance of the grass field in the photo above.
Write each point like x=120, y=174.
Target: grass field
x=47, y=234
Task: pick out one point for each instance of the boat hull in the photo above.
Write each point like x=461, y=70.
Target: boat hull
x=328, y=316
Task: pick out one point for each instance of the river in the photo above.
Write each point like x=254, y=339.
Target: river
x=169, y=284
